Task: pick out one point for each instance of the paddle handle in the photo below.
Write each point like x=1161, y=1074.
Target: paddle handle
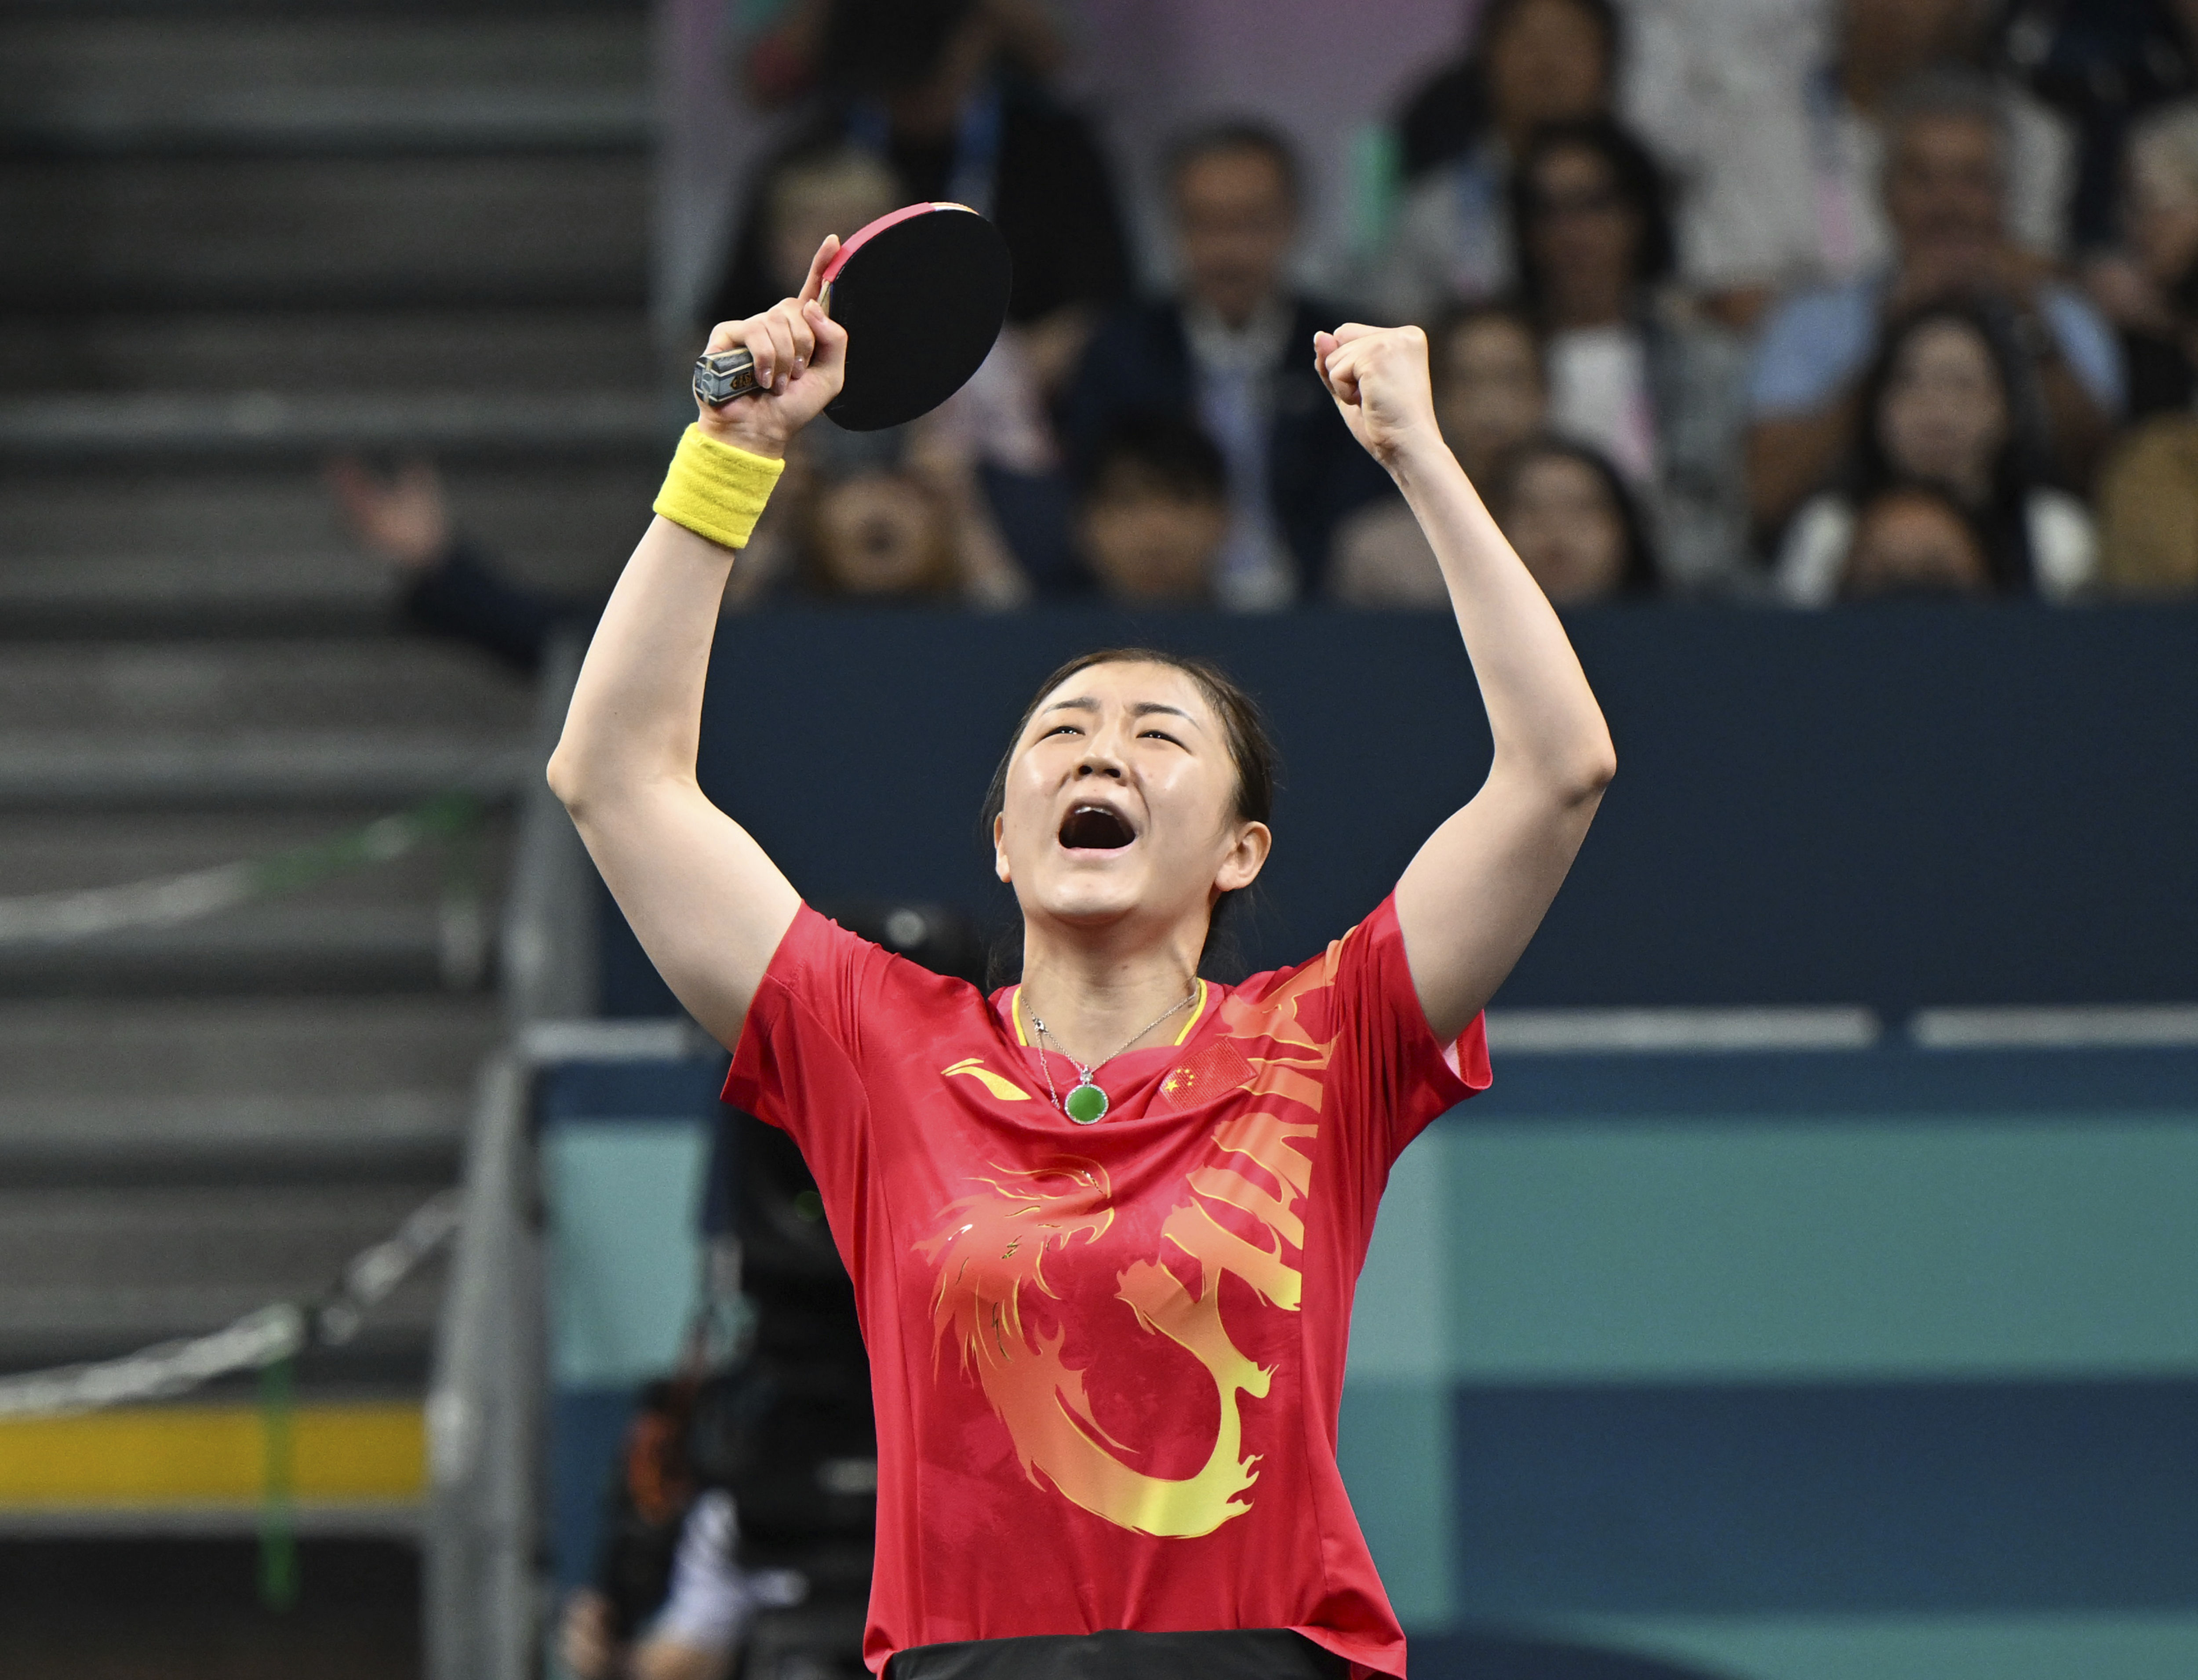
x=723, y=375
x=720, y=375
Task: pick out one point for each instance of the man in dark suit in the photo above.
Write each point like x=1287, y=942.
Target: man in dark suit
x=1232, y=352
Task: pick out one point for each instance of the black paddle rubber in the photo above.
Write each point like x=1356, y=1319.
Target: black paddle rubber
x=922, y=293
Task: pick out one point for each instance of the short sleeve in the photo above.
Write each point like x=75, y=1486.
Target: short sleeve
x=829, y=1006
x=1810, y=346
x=1386, y=1075
x=1396, y=1076
x=2088, y=344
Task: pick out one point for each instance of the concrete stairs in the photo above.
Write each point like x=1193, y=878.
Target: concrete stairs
x=236, y=235
x=239, y=235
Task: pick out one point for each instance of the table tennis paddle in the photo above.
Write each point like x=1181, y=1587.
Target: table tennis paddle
x=922, y=293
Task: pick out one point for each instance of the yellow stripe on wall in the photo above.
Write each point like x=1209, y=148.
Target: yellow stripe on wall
x=185, y=1455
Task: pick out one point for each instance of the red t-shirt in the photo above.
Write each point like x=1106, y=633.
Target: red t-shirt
x=1106, y=1359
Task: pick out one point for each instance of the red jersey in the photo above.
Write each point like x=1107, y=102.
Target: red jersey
x=1106, y=1359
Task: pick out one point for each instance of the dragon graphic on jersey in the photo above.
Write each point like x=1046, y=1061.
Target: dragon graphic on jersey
x=992, y=1243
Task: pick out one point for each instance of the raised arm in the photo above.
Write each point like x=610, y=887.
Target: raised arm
x=1474, y=895
x=708, y=906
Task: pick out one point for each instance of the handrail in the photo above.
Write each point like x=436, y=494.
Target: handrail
x=485, y=1598
x=483, y=1603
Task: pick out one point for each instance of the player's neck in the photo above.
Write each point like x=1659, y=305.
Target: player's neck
x=1093, y=994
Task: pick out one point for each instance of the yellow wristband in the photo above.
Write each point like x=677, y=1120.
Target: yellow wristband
x=716, y=491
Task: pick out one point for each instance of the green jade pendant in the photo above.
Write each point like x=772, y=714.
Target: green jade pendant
x=1084, y=1104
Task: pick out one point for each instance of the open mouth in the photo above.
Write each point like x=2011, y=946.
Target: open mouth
x=1093, y=828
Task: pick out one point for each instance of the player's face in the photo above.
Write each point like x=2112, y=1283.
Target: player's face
x=1121, y=803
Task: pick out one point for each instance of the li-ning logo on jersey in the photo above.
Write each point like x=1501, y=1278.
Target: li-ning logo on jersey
x=993, y=1244
x=975, y=1068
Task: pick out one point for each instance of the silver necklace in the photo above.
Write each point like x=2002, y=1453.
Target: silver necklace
x=1085, y=1103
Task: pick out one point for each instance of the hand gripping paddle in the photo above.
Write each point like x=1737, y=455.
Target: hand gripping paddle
x=922, y=293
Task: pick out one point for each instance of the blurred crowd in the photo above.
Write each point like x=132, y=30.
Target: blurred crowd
x=1804, y=302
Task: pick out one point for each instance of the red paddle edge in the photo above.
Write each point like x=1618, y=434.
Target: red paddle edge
x=869, y=230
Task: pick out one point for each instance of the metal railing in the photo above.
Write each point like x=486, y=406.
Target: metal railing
x=483, y=1606
x=486, y=1590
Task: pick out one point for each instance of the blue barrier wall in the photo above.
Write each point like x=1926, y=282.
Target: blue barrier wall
x=1898, y=807
x=1850, y=1366
x=623, y=1147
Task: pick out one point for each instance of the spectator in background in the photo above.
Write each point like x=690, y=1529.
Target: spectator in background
x=1632, y=373
x=826, y=187
x=1532, y=62
x=918, y=85
x=2100, y=64
x=1948, y=405
x=863, y=518
x=2151, y=292
x=1568, y=514
x=1913, y=541
x=1231, y=349
x=695, y=1630
x=1485, y=363
x=1154, y=513
x=1768, y=113
x=1491, y=389
x=2148, y=512
x=876, y=518
x=1946, y=194
x=2148, y=487
x=1881, y=50
x=880, y=532
x=778, y=45
x=1719, y=89
x=447, y=584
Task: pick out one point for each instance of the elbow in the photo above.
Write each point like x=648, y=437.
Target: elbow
x=1567, y=775
x=1591, y=771
x=1604, y=769
x=565, y=779
x=590, y=783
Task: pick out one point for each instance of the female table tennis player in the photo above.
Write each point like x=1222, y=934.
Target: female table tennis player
x=1104, y=1224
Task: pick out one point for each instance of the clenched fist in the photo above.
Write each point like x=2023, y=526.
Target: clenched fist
x=1378, y=376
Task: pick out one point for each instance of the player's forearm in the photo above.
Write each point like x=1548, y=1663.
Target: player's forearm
x=637, y=710
x=636, y=714
x=1544, y=718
